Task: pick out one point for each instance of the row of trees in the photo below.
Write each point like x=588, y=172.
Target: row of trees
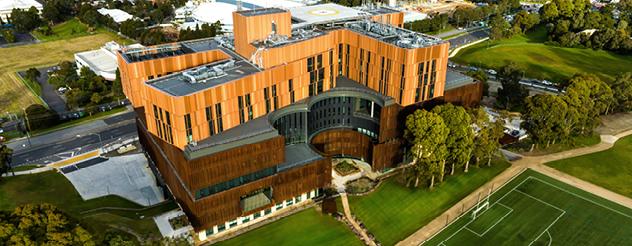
x=463, y=16
x=203, y=31
x=45, y=224
x=86, y=88
x=41, y=225
x=552, y=118
x=522, y=22
x=446, y=139
x=567, y=19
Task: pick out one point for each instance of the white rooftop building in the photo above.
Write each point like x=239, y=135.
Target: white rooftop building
x=210, y=11
x=116, y=14
x=102, y=61
x=6, y=6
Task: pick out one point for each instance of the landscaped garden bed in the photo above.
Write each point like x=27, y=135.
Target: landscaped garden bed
x=345, y=168
x=361, y=185
x=178, y=222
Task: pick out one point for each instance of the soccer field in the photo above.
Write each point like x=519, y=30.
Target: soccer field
x=534, y=209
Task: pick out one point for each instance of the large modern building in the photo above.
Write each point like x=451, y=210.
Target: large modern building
x=243, y=126
x=7, y=6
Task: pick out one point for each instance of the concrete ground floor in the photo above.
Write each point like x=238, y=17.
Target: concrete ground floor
x=126, y=176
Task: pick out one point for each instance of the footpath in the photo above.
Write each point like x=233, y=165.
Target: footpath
x=611, y=132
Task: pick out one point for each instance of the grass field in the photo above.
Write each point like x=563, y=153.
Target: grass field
x=54, y=188
x=70, y=29
x=544, y=61
x=523, y=147
x=393, y=211
x=534, y=209
x=14, y=94
x=308, y=227
x=611, y=169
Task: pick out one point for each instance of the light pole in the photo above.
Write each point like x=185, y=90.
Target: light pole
x=28, y=127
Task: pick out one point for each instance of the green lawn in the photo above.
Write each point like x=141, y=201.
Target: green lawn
x=73, y=28
x=611, y=169
x=54, y=188
x=523, y=147
x=534, y=209
x=24, y=168
x=393, y=211
x=14, y=94
x=308, y=227
x=544, y=61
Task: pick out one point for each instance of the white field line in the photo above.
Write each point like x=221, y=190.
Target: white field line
x=550, y=237
x=496, y=223
x=535, y=198
x=547, y=228
x=470, y=209
x=583, y=198
x=548, y=204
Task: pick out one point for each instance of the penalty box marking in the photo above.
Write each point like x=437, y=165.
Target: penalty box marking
x=497, y=221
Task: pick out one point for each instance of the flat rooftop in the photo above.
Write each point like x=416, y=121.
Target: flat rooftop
x=252, y=131
x=393, y=35
x=297, y=155
x=204, y=77
x=99, y=60
x=323, y=13
x=265, y=11
x=454, y=79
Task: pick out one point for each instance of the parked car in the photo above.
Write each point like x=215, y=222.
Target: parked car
x=492, y=72
x=1, y=131
x=546, y=82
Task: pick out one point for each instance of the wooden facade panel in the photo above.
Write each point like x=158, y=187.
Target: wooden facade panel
x=284, y=63
x=389, y=125
x=344, y=142
x=388, y=154
x=224, y=206
x=468, y=95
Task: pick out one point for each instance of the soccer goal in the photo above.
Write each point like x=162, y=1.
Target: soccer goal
x=481, y=206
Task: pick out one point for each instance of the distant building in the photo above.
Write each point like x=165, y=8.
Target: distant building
x=6, y=6
x=531, y=7
x=193, y=15
x=116, y=14
x=102, y=61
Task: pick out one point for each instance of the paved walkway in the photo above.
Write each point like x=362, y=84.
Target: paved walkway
x=533, y=162
x=345, y=205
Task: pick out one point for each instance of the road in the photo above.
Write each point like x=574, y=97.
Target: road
x=468, y=38
x=68, y=142
x=49, y=94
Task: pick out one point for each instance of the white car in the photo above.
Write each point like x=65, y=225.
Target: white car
x=492, y=72
x=546, y=82
x=1, y=131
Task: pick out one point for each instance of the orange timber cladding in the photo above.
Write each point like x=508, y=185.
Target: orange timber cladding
x=279, y=75
x=342, y=51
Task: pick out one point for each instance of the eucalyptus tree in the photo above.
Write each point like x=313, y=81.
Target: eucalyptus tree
x=427, y=133
x=460, y=140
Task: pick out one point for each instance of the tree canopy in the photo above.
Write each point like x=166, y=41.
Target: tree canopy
x=460, y=140
x=622, y=89
x=427, y=132
x=41, y=224
x=512, y=93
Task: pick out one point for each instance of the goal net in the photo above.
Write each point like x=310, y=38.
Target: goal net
x=480, y=208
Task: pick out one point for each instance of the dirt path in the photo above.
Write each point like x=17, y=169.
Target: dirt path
x=533, y=162
x=345, y=205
